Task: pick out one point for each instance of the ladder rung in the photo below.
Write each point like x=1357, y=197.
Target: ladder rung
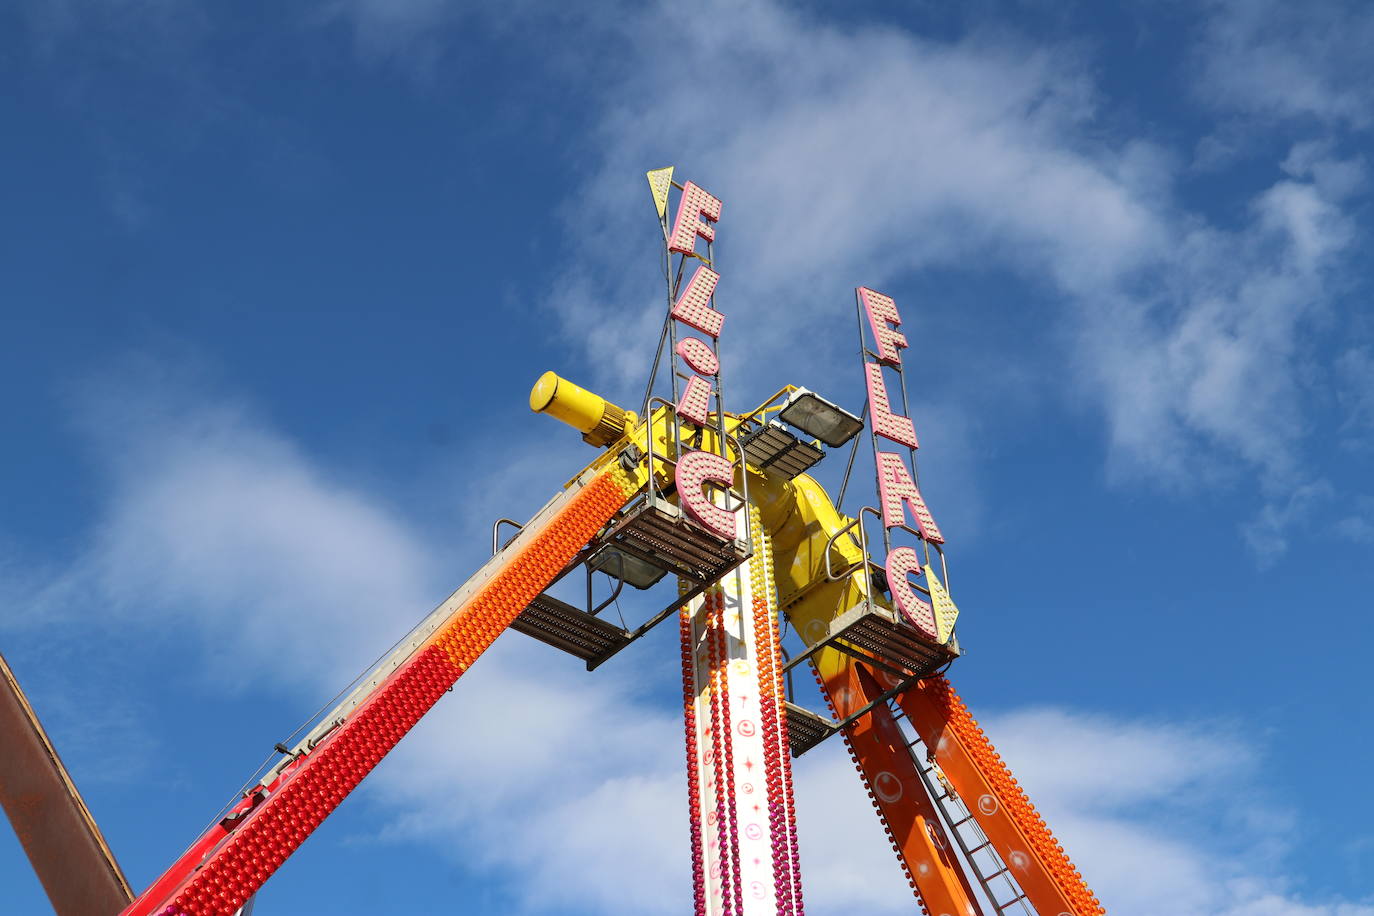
x=1003, y=907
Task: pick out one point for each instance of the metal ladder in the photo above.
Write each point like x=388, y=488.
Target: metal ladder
x=1002, y=895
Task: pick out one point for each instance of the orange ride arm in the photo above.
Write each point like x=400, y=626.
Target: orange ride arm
x=801, y=518
x=228, y=864
x=889, y=771
x=1002, y=810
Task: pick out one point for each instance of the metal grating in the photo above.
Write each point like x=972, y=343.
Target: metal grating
x=806, y=729
x=656, y=532
x=876, y=636
x=571, y=629
x=776, y=451
x=884, y=637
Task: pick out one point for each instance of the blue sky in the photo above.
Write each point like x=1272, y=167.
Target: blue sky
x=275, y=279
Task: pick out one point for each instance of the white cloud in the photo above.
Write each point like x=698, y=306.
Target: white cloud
x=1207, y=370
x=1274, y=60
x=1355, y=370
x=847, y=862
x=1268, y=534
x=553, y=783
x=219, y=528
x=848, y=157
x=1162, y=817
x=864, y=154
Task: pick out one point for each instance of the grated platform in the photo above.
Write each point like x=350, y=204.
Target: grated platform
x=806, y=729
x=656, y=531
x=571, y=629
x=884, y=637
x=776, y=451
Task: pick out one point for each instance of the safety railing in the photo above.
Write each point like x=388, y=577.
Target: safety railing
x=726, y=439
x=756, y=416
x=862, y=538
x=616, y=556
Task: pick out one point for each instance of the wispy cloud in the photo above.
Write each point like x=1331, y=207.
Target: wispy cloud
x=1269, y=59
x=865, y=154
x=1164, y=817
x=1355, y=368
x=402, y=31
x=219, y=528
x=1207, y=368
x=1268, y=534
x=850, y=156
x=862, y=153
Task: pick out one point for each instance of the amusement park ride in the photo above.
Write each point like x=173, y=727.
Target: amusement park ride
x=721, y=501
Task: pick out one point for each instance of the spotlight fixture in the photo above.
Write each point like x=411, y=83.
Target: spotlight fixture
x=815, y=416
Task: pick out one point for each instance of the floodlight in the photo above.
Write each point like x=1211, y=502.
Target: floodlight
x=634, y=571
x=774, y=450
x=815, y=416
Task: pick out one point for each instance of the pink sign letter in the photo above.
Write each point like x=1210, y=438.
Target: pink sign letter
x=694, y=205
x=695, y=403
x=885, y=422
x=895, y=485
x=881, y=311
x=903, y=562
x=699, y=355
x=693, y=307
x=694, y=469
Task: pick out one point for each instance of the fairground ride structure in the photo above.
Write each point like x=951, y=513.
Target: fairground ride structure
x=721, y=501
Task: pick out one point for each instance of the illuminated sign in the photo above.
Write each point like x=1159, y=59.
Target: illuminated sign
x=694, y=470
x=897, y=489
x=697, y=212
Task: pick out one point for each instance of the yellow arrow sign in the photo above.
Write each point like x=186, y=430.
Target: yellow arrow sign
x=945, y=611
x=660, y=180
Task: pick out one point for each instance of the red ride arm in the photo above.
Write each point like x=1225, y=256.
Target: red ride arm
x=231, y=861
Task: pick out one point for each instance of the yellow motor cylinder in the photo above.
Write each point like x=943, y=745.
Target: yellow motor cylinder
x=599, y=421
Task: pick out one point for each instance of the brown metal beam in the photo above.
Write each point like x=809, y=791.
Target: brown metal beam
x=53, y=824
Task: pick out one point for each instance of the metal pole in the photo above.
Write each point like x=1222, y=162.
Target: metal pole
x=849, y=467
x=672, y=335
x=906, y=412
x=872, y=431
x=720, y=392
